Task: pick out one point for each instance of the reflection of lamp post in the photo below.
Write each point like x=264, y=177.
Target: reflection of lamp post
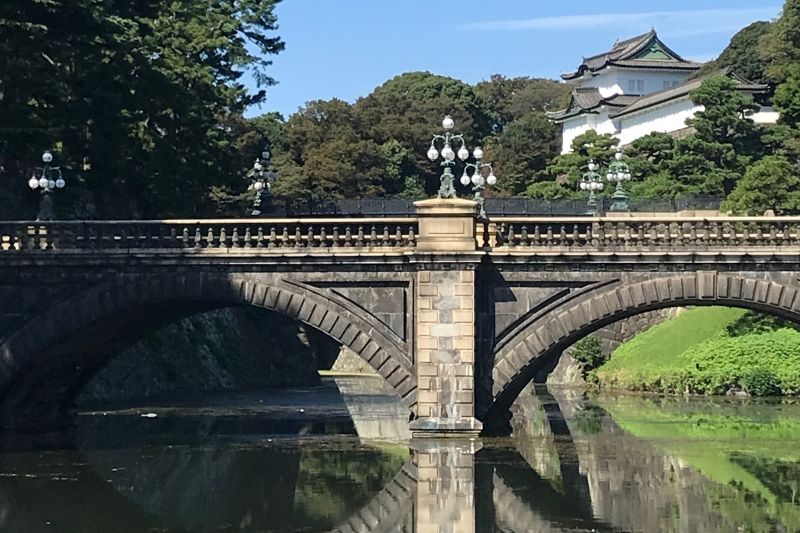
x=47, y=178
x=618, y=171
x=591, y=182
x=446, y=189
x=261, y=180
x=478, y=181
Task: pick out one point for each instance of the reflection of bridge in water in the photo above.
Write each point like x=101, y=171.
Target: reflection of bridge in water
x=569, y=468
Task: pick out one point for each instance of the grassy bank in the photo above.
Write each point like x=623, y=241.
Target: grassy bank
x=694, y=353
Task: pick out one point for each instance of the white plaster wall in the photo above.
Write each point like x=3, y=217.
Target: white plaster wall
x=613, y=81
x=665, y=119
x=766, y=115
x=573, y=127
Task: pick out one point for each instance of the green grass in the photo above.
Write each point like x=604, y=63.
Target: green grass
x=694, y=354
x=663, y=343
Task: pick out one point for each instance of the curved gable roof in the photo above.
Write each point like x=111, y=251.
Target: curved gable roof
x=642, y=51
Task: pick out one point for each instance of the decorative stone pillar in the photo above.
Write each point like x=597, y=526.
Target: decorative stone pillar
x=445, y=486
x=444, y=311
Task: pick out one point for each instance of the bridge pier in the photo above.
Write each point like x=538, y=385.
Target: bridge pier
x=444, y=346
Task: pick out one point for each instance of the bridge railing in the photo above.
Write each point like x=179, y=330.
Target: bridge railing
x=538, y=234
x=270, y=234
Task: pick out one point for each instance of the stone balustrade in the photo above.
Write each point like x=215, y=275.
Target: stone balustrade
x=614, y=234
x=281, y=235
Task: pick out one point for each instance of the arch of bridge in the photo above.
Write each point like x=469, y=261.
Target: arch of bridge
x=549, y=335
x=36, y=339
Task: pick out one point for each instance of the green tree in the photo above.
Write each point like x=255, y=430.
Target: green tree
x=741, y=55
x=150, y=93
x=522, y=150
x=512, y=98
x=770, y=184
x=587, y=145
x=409, y=109
x=780, y=47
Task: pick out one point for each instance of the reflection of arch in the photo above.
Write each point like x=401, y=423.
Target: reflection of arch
x=53, y=353
x=549, y=335
x=390, y=509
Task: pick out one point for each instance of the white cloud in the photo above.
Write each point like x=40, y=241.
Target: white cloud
x=699, y=21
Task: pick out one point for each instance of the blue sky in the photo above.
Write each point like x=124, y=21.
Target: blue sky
x=345, y=48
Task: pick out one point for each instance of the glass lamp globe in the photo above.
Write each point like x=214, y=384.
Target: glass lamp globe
x=51, y=184
x=464, y=179
x=265, y=154
x=258, y=185
x=627, y=176
x=60, y=183
x=618, y=156
x=448, y=153
x=33, y=183
x=584, y=185
x=47, y=157
x=592, y=166
x=43, y=183
x=448, y=123
x=463, y=153
x=610, y=176
x=491, y=179
x=477, y=153
x=433, y=153
x=258, y=166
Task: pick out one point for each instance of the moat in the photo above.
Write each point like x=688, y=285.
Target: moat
x=338, y=457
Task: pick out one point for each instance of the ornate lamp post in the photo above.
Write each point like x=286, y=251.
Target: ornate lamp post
x=261, y=179
x=478, y=181
x=448, y=156
x=619, y=172
x=591, y=182
x=46, y=178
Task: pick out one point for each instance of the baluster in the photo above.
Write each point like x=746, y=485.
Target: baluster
x=653, y=238
x=412, y=237
x=248, y=237
x=373, y=236
x=549, y=235
x=323, y=238
x=537, y=236
x=398, y=236
x=523, y=237
x=185, y=239
x=284, y=240
x=273, y=238
x=260, y=237
x=628, y=235
x=360, y=238
x=576, y=235
x=385, y=241
x=310, y=237
x=298, y=237
x=640, y=241
x=498, y=234
x=37, y=237
x=510, y=236
x=348, y=236
x=773, y=234
x=693, y=237
x=235, y=237
x=786, y=236
x=562, y=236
x=601, y=233
x=210, y=243
x=197, y=238
x=223, y=237
x=335, y=237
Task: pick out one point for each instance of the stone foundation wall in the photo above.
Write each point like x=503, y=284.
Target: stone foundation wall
x=568, y=371
x=225, y=349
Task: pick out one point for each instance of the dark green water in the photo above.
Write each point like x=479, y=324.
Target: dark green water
x=333, y=457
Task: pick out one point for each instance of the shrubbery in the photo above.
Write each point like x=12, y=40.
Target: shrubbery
x=762, y=364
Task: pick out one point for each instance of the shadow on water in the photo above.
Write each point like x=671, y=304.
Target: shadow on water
x=337, y=458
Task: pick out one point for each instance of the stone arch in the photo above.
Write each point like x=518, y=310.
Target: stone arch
x=162, y=298
x=517, y=361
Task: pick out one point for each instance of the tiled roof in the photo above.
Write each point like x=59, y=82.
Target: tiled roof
x=679, y=91
x=624, y=54
x=587, y=99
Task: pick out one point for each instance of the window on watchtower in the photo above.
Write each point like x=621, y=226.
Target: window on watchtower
x=636, y=86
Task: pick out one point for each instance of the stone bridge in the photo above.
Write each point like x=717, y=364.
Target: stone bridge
x=457, y=314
